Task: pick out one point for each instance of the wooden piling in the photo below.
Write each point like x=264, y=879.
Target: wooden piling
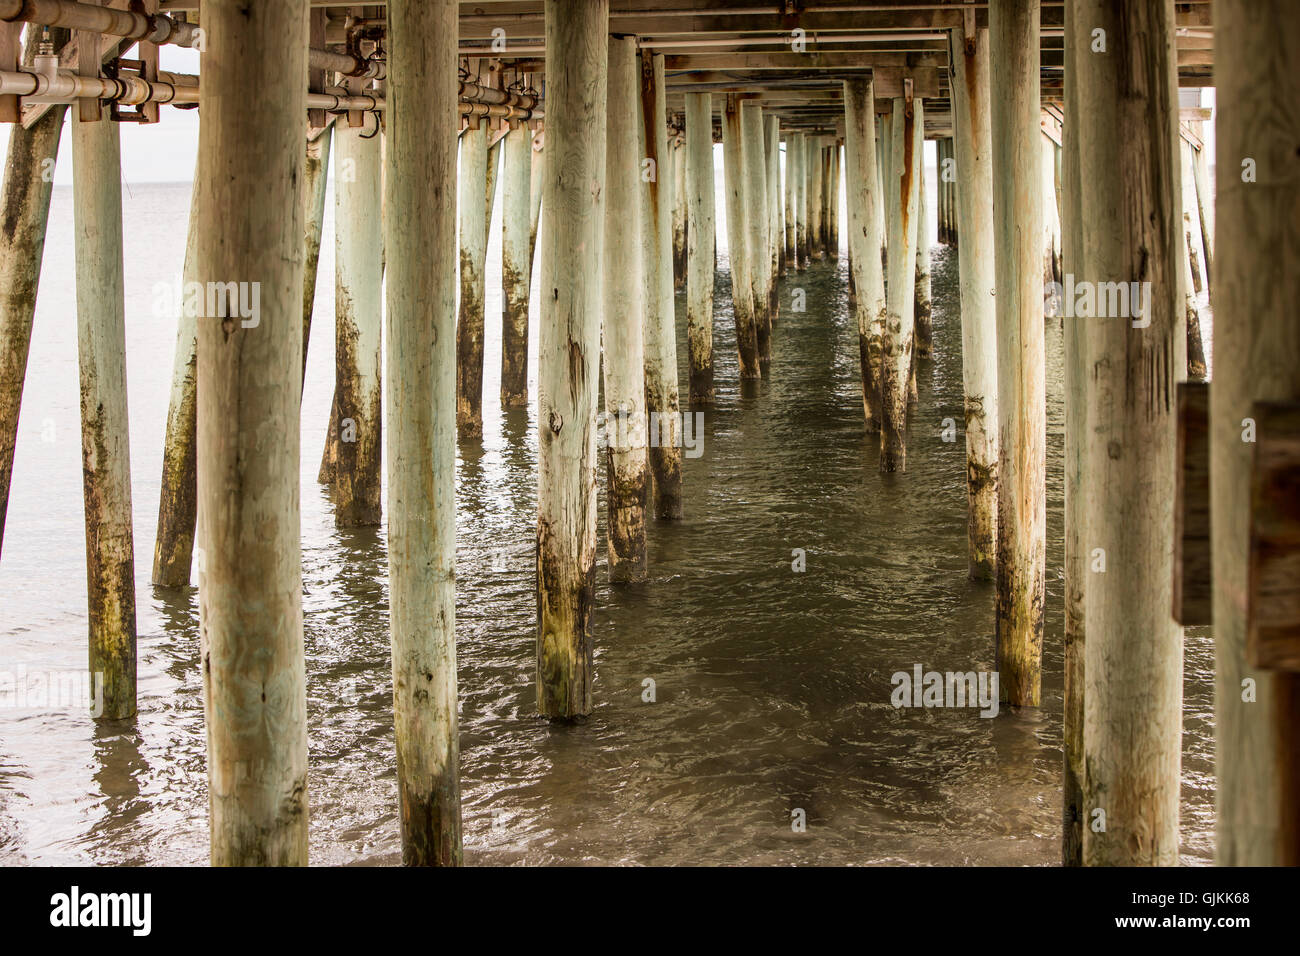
x=1204, y=209
x=420, y=396
x=105, y=445
x=924, y=330
x=756, y=226
x=775, y=229
x=627, y=467
x=677, y=150
x=315, y=177
x=1022, y=462
x=789, y=168
x=516, y=265
x=1074, y=813
x=471, y=196
x=24, y=211
x=865, y=228
x=833, y=202
x=1195, y=347
x=173, y=551
x=797, y=151
x=742, y=296
x=358, y=312
x=569, y=350
x=1191, y=235
x=816, y=199
x=973, y=153
x=898, y=336
x=1256, y=278
x=662, y=396
x=250, y=366
x=700, y=233
x=1128, y=109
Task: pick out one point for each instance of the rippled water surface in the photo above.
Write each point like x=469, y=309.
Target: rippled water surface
x=772, y=687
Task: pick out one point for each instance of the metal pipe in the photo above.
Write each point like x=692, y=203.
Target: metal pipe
x=182, y=89
x=96, y=19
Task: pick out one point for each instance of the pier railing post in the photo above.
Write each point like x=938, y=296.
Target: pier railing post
x=105, y=444
x=627, y=470
x=569, y=352
x=700, y=234
x=1132, y=235
x=250, y=392
x=1018, y=263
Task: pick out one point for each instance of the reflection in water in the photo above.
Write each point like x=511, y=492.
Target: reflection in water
x=771, y=686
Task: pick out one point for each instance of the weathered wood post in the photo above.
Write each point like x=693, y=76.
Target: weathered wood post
x=535, y=203
x=775, y=230
x=677, y=150
x=315, y=178
x=742, y=296
x=1192, y=237
x=1022, y=460
x=662, y=396
x=627, y=471
x=26, y=204
x=516, y=265
x=700, y=234
x=797, y=161
x=358, y=318
x=569, y=351
x=833, y=200
x=924, y=330
x=1192, y=314
x=1074, y=812
x=1128, y=119
x=105, y=446
x=1256, y=280
x=472, y=204
x=1204, y=210
x=973, y=155
x=884, y=146
x=898, y=336
x=250, y=374
x=816, y=198
x=756, y=226
x=788, y=213
x=864, y=237
x=420, y=387
x=173, y=551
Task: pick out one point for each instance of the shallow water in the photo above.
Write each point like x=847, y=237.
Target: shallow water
x=772, y=687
